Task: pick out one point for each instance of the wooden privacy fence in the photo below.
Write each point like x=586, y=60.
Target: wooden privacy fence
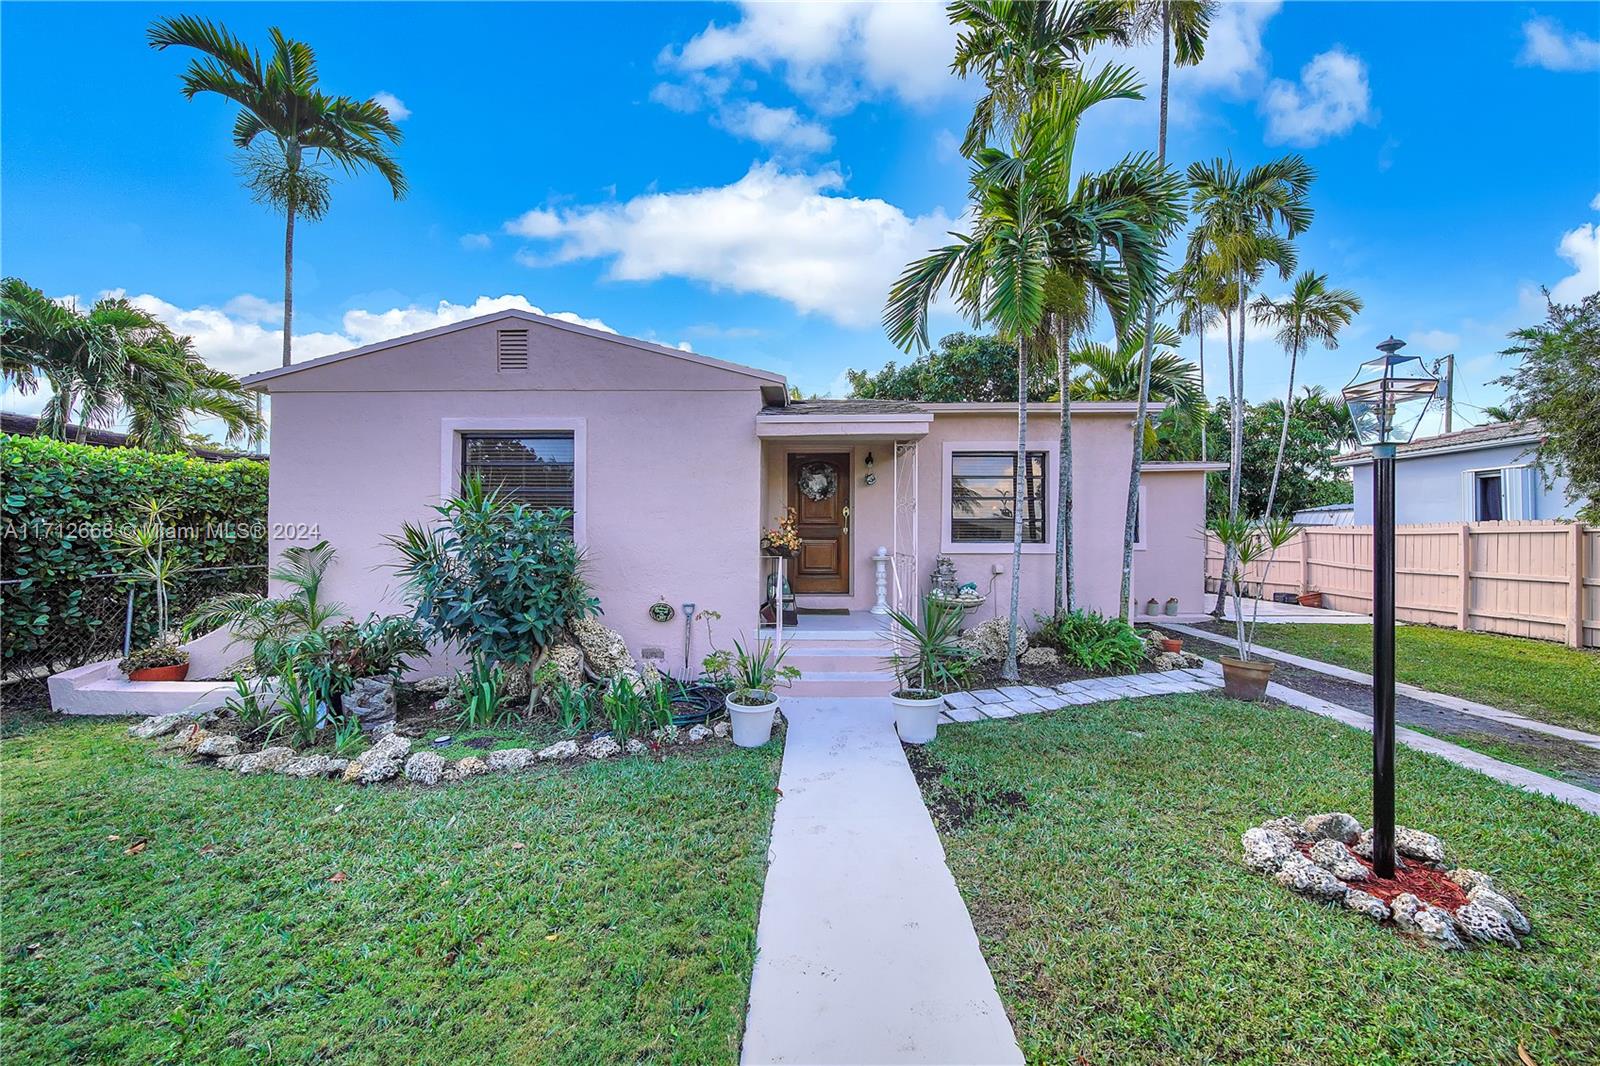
x=1524, y=579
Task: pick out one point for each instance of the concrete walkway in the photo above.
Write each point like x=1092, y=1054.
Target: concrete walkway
x=865, y=951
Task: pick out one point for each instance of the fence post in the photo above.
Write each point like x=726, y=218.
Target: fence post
x=1575, y=576
x=1305, y=561
x=1466, y=578
x=127, y=626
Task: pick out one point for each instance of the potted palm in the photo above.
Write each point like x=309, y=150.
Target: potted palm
x=756, y=673
x=927, y=662
x=1245, y=678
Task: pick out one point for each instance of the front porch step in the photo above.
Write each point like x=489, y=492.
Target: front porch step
x=801, y=635
x=843, y=683
x=849, y=658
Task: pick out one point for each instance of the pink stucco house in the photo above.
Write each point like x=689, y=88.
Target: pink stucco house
x=675, y=462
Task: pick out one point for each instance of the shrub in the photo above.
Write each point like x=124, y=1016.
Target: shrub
x=929, y=658
x=153, y=656
x=1090, y=641
x=497, y=578
x=60, y=511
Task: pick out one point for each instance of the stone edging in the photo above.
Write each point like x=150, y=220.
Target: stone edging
x=390, y=756
x=1012, y=700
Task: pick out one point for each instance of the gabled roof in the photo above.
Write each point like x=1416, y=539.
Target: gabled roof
x=766, y=377
x=1493, y=435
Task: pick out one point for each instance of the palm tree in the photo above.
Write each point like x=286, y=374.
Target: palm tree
x=307, y=132
x=1311, y=312
x=1184, y=23
x=1020, y=48
x=111, y=360
x=1200, y=300
x=1240, y=213
x=1106, y=373
x=1031, y=222
x=183, y=386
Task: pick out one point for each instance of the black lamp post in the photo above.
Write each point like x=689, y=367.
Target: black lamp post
x=1387, y=399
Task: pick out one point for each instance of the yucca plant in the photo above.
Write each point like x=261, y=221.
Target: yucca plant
x=1250, y=542
x=147, y=543
x=927, y=660
x=757, y=670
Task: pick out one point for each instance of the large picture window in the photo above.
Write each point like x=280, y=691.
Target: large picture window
x=534, y=468
x=983, y=501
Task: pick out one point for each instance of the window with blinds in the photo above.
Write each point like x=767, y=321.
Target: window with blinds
x=983, y=498
x=534, y=468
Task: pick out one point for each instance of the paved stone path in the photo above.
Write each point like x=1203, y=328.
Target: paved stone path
x=865, y=951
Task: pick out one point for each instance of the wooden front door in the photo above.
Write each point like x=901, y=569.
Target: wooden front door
x=819, y=492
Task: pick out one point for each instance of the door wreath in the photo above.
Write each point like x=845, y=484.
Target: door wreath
x=818, y=481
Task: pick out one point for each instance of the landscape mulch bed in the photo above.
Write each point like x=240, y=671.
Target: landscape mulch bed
x=1423, y=881
x=954, y=808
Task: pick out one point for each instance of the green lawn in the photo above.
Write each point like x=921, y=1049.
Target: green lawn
x=1534, y=677
x=599, y=914
x=1121, y=926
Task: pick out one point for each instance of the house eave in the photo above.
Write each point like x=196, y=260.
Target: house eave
x=1363, y=458
x=771, y=384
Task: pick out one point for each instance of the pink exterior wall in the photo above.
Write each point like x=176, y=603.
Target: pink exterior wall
x=667, y=465
x=674, y=484
x=1169, y=562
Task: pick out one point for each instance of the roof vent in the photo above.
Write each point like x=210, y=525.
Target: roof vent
x=511, y=350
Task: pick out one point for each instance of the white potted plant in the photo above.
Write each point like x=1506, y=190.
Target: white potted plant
x=756, y=674
x=1245, y=678
x=926, y=663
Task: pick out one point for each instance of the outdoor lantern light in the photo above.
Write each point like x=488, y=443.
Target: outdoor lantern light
x=871, y=478
x=1387, y=399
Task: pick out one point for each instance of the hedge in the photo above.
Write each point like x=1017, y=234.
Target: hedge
x=61, y=505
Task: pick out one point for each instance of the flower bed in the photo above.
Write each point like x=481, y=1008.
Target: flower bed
x=1328, y=857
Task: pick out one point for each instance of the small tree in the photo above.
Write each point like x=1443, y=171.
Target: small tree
x=495, y=578
x=1249, y=542
x=1557, y=381
x=147, y=544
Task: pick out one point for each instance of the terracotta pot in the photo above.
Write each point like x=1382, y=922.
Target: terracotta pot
x=161, y=673
x=1245, y=681
x=1309, y=599
x=1171, y=644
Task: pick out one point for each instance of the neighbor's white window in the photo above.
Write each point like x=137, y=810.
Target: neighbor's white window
x=1488, y=496
x=534, y=468
x=983, y=498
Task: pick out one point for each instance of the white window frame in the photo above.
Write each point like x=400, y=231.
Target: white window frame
x=451, y=431
x=946, y=510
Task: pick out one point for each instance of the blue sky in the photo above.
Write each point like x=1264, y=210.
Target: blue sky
x=747, y=181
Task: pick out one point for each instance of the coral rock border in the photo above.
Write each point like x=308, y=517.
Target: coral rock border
x=390, y=757
x=1320, y=858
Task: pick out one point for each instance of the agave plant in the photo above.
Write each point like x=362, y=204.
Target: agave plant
x=927, y=659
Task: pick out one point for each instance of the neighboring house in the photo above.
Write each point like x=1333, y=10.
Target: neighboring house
x=674, y=463
x=28, y=426
x=1482, y=474
x=1333, y=514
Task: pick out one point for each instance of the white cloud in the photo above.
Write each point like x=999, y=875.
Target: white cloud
x=779, y=127
x=946, y=146
x=681, y=98
x=1436, y=341
x=1332, y=97
x=475, y=242
x=1594, y=204
x=1546, y=44
x=393, y=104
x=788, y=235
x=1235, y=59
x=536, y=224
x=1581, y=248
x=834, y=55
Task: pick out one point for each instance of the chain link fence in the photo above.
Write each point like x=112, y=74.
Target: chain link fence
x=102, y=617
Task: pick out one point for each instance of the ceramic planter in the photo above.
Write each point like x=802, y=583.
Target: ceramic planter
x=1172, y=608
x=916, y=718
x=161, y=673
x=752, y=724
x=1152, y=607
x=1245, y=680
